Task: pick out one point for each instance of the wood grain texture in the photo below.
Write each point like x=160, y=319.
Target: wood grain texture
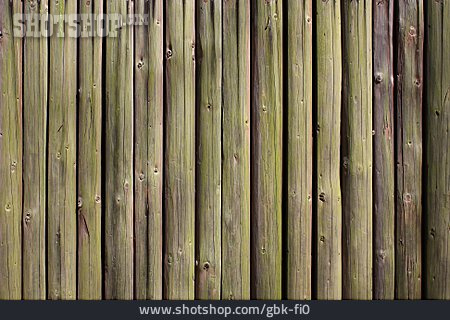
x=62, y=148
x=209, y=149
x=299, y=149
x=148, y=150
x=356, y=146
x=409, y=149
x=10, y=154
x=267, y=148
x=34, y=160
x=89, y=158
x=179, y=193
x=383, y=148
x=437, y=150
x=236, y=151
x=119, y=254
x=328, y=128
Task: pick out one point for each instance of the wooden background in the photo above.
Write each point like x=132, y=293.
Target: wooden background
x=230, y=149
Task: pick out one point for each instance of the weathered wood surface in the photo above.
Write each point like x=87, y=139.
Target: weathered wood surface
x=267, y=148
x=35, y=52
x=356, y=146
x=118, y=200
x=179, y=170
x=299, y=149
x=10, y=154
x=437, y=150
x=236, y=151
x=409, y=149
x=383, y=149
x=89, y=158
x=148, y=150
x=209, y=149
x=62, y=149
x=328, y=240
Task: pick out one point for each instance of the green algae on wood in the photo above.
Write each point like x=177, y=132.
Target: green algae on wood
x=118, y=199
x=267, y=148
x=328, y=239
x=148, y=150
x=179, y=153
x=62, y=148
x=236, y=151
x=299, y=149
x=10, y=154
x=356, y=146
x=209, y=149
x=89, y=159
x=35, y=160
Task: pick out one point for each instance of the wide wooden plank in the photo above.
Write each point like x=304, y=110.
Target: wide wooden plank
x=267, y=148
x=90, y=157
x=118, y=172
x=409, y=149
x=299, y=149
x=209, y=149
x=356, y=146
x=10, y=154
x=148, y=146
x=34, y=160
x=383, y=146
x=179, y=166
x=437, y=150
x=62, y=148
x=236, y=151
x=328, y=239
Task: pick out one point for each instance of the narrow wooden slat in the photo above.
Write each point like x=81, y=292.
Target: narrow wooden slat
x=328, y=239
x=148, y=162
x=267, y=113
x=179, y=170
x=409, y=149
x=236, y=151
x=384, y=174
x=437, y=149
x=118, y=172
x=10, y=154
x=89, y=157
x=34, y=160
x=299, y=149
x=357, y=149
x=61, y=159
x=209, y=148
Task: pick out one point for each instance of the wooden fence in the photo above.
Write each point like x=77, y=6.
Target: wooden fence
x=231, y=149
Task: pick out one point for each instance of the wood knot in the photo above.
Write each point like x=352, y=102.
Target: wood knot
x=206, y=266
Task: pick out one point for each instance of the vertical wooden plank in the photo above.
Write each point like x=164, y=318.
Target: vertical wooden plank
x=383, y=146
x=267, y=113
x=236, y=151
x=329, y=207
x=299, y=149
x=10, y=155
x=119, y=160
x=409, y=149
x=437, y=150
x=89, y=156
x=357, y=149
x=62, y=156
x=148, y=121
x=209, y=148
x=35, y=159
x=179, y=259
